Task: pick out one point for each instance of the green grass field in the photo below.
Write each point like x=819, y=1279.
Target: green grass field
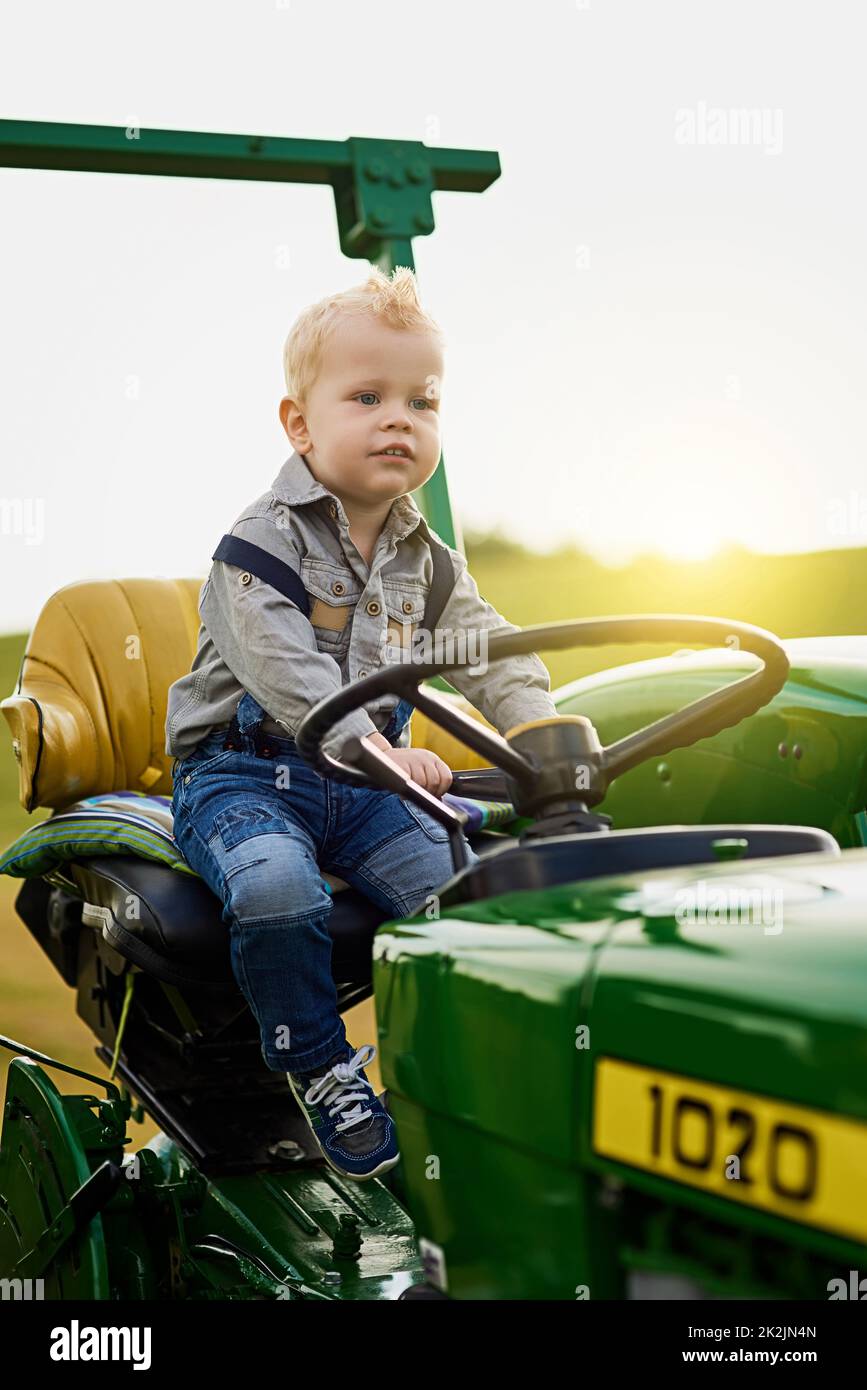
x=794, y=596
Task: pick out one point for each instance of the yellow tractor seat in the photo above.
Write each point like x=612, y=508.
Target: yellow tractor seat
x=88, y=714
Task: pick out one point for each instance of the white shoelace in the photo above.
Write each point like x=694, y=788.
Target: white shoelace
x=334, y=1088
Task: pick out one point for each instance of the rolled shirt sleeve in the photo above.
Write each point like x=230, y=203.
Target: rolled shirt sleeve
x=510, y=691
x=270, y=648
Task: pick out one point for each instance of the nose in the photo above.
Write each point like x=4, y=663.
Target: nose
x=397, y=416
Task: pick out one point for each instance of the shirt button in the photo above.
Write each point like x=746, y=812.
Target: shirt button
x=407, y=605
x=332, y=510
x=338, y=587
x=373, y=608
x=245, y=578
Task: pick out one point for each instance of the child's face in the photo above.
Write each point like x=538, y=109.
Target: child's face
x=377, y=388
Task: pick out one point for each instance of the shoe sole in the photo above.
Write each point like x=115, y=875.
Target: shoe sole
x=353, y=1177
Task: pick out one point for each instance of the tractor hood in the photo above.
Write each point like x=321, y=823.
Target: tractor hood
x=800, y=759
x=748, y=975
x=751, y=975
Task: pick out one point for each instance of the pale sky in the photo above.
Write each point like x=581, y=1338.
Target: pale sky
x=655, y=319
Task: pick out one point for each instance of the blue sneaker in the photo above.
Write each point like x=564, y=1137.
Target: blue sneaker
x=351, y=1126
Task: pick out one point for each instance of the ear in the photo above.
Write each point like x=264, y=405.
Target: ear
x=293, y=421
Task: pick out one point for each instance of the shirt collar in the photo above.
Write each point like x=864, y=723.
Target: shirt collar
x=296, y=485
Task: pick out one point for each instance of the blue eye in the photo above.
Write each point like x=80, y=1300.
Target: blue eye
x=371, y=397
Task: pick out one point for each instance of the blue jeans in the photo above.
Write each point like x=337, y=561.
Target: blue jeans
x=257, y=829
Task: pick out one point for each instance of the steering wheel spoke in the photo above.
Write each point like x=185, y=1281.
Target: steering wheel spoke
x=715, y=710
x=483, y=741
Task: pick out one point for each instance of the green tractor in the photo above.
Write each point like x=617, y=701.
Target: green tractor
x=626, y=1053
x=623, y=1063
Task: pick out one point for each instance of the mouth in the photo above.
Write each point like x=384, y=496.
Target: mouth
x=397, y=451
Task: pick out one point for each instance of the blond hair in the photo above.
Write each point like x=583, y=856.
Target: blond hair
x=394, y=300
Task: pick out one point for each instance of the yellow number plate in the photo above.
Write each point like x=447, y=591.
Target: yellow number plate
x=806, y=1165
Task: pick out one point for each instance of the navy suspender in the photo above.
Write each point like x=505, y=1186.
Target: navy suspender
x=442, y=582
x=286, y=581
x=264, y=565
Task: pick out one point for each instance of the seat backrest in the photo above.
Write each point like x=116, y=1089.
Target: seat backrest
x=89, y=711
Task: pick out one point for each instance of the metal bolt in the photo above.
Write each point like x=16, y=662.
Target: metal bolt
x=663, y=772
x=332, y=1276
x=783, y=750
x=286, y=1148
x=797, y=751
x=347, y=1238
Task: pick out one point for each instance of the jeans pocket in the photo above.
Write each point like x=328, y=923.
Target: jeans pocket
x=205, y=758
x=238, y=823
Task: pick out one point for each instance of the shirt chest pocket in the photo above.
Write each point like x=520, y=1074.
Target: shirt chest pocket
x=404, y=608
x=333, y=591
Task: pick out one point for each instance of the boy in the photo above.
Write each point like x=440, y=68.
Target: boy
x=358, y=569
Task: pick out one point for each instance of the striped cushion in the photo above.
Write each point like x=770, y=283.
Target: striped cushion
x=137, y=823
x=113, y=823
x=481, y=815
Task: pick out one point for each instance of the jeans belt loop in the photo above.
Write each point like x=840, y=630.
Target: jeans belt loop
x=233, y=736
x=262, y=747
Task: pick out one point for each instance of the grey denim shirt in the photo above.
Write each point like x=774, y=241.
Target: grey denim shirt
x=252, y=637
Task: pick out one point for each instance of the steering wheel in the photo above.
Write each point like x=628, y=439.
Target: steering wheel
x=552, y=765
x=556, y=764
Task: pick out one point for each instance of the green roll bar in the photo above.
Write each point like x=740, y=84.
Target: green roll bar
x=382, y=193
